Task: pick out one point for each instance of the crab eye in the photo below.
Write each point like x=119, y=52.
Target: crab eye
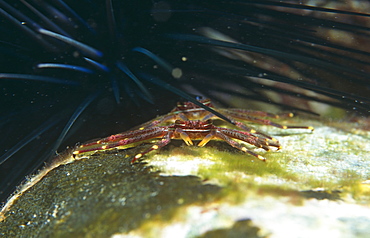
x=199, y=98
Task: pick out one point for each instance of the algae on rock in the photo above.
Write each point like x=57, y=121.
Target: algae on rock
x=318, y=183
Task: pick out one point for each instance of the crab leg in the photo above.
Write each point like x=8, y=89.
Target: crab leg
x=253, y=140
x=185, y=137
x=166, y=139
x=122, y=139
x=238, y=124
x=238, y=114
x=218, y=135
x=178, y=132
x=117, y=137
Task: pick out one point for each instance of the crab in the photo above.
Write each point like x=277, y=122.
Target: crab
x=189, y=111
x=189, y=122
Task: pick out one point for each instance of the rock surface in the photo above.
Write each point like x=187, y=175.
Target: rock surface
x=318, y=184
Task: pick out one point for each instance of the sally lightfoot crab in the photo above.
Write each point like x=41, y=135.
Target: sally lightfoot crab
x=189, y=122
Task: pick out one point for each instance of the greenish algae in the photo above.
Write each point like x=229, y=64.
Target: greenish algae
x=280, y=172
